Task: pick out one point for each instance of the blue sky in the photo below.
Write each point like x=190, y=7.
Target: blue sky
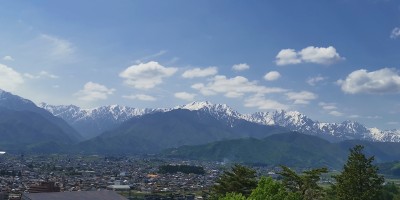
x=332, y=60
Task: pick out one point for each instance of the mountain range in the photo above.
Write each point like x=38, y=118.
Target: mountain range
x=199, y=130
x=92, y=122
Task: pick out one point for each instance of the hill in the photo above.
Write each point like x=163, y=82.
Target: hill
x=291, y=149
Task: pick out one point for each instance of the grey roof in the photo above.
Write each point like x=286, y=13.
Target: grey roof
x=78, y=195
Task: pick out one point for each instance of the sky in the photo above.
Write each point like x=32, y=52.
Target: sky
x=332, y=60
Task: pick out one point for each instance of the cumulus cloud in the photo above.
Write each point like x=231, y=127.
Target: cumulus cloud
x=197, y=72
x=311, y=54
x=259, y=101
x=141, y=97
x=240, y=67
x=233, y=87
x=8, y=58
x=93, y=92
x=185, y=96
x=272, y=76
x=303, y=97
x=42, y=74
x=382, y=81
x=58, y=47
x=146, y=75
x=314, y=80
x=320, y=55
x=287, y=57
x=395, y=33
x=9, y=78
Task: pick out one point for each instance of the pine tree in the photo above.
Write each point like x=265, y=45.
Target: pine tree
x=240, y=180
x=305, y=184
x=359, y=179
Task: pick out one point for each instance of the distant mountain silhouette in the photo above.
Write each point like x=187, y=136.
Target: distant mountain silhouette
x=24, y=126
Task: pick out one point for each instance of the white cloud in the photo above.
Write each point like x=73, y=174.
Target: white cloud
x=382, y=81
x=336, y=113
x=8, y=58
x=240, y=67
x=58, y=47
x=185, y=96
x=328, y=106
x=287, y=57
x=303, y=97
x=272, y=76
x=142, y=97
x=392, y=123
x=366, y=117
x=314, y=80
x=146, y=75
x=395, y=33
x=332, y=109
x=197, y=72
x=320, y=55
x=93, y=92
x=233, y=87
x=311, y=54
x=42, y=74
x=9, y=78
x=259, y=101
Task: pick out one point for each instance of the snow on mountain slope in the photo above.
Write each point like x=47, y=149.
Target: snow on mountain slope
x=92, y=122
x=103, y=118
x=218, y=111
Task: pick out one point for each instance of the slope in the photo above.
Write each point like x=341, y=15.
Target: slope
x=157, y=131
x=291, y=149
x=12, y=102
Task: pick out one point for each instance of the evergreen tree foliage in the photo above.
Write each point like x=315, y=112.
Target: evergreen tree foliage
x=359, y=179
x=239, y=179
x=304, y=184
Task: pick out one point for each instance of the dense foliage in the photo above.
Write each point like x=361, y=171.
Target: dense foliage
x=305, y=184
x=359, y=179
x=239, y=179
x=268, y=189
x=187, y=169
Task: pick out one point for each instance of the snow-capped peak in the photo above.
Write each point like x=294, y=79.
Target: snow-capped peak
x=104, y=116
x=219, y=111
x=196, y=105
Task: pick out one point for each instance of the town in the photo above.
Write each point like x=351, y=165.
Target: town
x=133, y=177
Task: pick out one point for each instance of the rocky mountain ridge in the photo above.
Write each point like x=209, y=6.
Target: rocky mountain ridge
x=110, y=116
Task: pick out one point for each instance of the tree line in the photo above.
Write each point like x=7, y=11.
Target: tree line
x=359, y=180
